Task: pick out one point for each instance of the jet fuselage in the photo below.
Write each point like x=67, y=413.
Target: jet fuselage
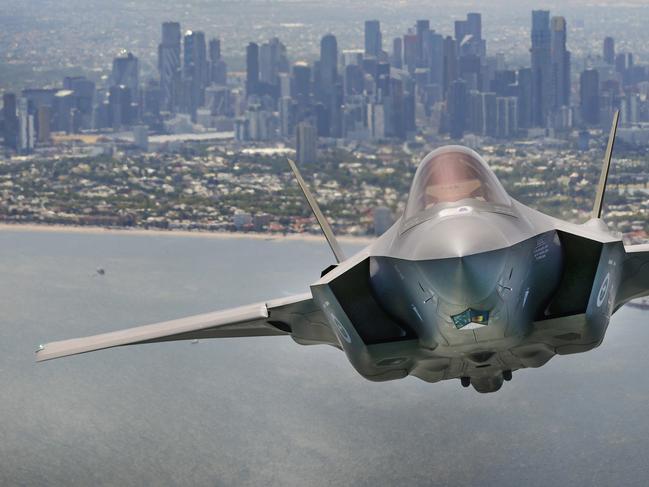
x=472, y=290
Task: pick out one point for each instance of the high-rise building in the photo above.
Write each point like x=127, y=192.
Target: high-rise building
x=410, y=43
x=328, y=64
x=195, y=70
x=589, y=96
x=468, y=35
x=272, y=62
x=169, y=65
x=120, y=110
x=525, y=90
x=301, y=91
x=560, y=64
x=470, y=70
x=141, y=137
x=214, y=49
x=10, y=116
x=305, y=143
x=457, y=108
x=423, y=27
x=44, y=116
x=151, y=105
x=218, y=69
x=286, y=116
x=26, y=127
x=609, y=50
x=84, y=94
x=506, y=116
x=434, y=53
x=301, y=81
x=490, y=103
x=126, y=72
x=450, y=63
x=396, y=59
x=353, y=79
x=541, y=67
x=65, y=111
x=252, y=69
x=373, y=38
x=376, y=120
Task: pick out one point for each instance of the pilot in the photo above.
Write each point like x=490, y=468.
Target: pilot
x=451, y=178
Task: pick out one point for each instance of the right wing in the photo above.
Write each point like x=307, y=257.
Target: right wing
x=297, y=316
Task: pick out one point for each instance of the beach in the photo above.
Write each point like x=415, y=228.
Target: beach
x=95, y=230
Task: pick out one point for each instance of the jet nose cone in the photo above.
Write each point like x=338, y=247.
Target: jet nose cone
x=455, y=237
x=466, y=280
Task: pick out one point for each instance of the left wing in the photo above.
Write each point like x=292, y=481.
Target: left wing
x=297, y=316
x=634, y=279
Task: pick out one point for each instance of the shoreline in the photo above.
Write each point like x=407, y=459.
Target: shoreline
x=98, y=230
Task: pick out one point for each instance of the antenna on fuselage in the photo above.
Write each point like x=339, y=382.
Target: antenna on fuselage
x=322, y=220
x=601, y=187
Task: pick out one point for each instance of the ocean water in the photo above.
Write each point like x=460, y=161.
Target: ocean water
x=266, y=411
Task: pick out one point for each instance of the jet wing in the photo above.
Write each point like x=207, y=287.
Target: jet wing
x=297, y=316
x=634, y=281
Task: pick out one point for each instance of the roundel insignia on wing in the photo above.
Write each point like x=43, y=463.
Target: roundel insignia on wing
x=342, y=331
x=603, y=290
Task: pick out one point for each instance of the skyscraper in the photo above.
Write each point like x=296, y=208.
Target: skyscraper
x=126, y=72
x=457, y=108
x=169, y=65
x=218, y=68
x=10, y=115
x=328, y=64
x=301, y=81
x=373, y=39
x=560, y=64
x=434, y=53
x=84, y=94
x=524, y=95
x=44, y=116
x=119, y=106
x=252, y=69
x=272, y=61
x=506, y=116
x=397, y=53
x=305, y=143
x=195, y=70
x=450, y=63
x=301, y=91
x=589, y=96
x=423, y=26
x=468, y=35
x=609, y=50
x=541, y=67
x=410, y=51
x=26, y=128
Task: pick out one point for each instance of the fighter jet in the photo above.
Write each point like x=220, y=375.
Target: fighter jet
x=468, y=284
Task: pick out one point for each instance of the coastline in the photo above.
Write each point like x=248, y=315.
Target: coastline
x=97, y=230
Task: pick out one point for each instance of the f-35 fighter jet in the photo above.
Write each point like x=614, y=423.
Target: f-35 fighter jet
x=468, y=284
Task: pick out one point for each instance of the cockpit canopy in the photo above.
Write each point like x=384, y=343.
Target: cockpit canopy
x=453, y=176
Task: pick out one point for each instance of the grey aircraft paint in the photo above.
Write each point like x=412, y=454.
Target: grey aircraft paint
x=470, y=288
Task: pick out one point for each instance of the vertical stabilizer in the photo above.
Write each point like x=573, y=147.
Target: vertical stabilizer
x=601, y=187
x=322, y=221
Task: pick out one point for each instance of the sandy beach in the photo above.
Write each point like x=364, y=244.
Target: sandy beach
x=34, y=227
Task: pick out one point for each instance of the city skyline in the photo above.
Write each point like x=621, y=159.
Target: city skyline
x=424, y=79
